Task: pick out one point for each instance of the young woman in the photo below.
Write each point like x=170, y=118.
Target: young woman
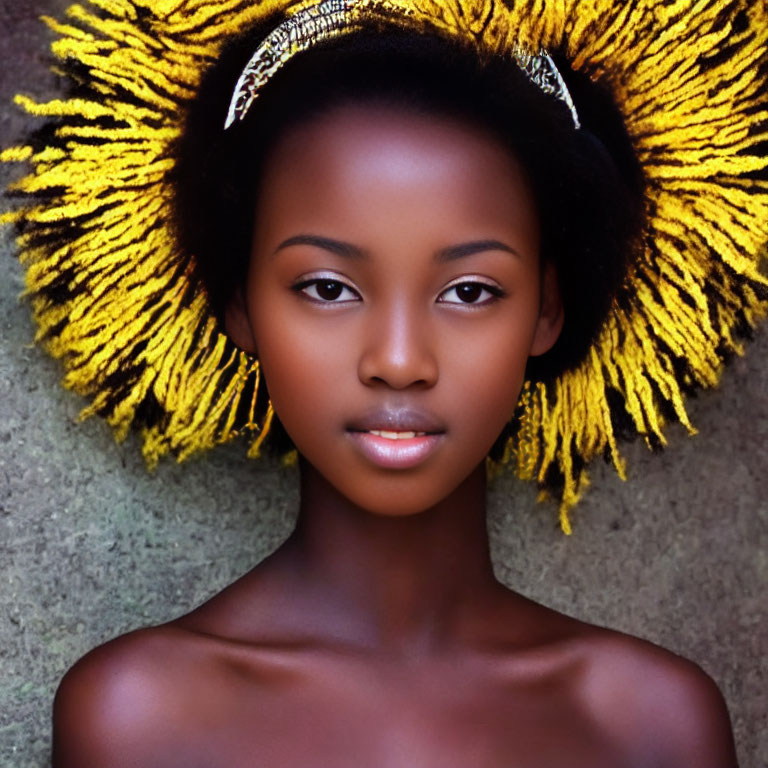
x=403, y=268
x=403, y=231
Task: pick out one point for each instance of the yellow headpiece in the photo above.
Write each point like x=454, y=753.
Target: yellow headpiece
x=114, y=294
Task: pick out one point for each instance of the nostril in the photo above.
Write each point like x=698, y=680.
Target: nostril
x=400, y=380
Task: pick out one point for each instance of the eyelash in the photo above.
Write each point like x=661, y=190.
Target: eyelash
x=303, y=287
x=306, y=285
x=494, y=292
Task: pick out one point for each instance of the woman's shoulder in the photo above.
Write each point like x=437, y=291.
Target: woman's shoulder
x=129, y=663
x=659, y=701
x=641, y=699
x=130, y=700
x=651, y=701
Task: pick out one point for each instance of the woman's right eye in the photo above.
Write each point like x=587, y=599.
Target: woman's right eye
x=327, y=291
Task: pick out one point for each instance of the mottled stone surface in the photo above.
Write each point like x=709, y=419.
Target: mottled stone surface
x=91, y=545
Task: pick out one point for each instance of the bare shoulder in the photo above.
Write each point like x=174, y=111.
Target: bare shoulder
x=123, y=703
x=655, y=701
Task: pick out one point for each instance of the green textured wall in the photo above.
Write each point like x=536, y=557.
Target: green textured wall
x=91, y=545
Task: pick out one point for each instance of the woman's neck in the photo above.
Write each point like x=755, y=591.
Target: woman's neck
x=402, y=584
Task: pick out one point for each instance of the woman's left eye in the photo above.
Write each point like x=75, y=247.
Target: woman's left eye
x=327, y=291
x=470, y=293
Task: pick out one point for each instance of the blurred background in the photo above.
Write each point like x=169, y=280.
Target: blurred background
x=92, y=545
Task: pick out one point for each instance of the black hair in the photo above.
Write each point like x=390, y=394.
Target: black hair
x=586, y=182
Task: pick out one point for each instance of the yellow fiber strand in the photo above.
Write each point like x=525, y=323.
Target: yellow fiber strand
x=16, y=155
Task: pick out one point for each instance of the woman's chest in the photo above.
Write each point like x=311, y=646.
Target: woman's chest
x=349, y=721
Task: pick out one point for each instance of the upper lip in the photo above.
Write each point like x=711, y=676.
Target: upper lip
x=397, y=420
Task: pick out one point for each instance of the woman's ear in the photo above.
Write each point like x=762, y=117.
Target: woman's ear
x=551, y=314
x=237, y=322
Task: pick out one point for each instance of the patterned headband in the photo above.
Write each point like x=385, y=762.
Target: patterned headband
x=329, y=19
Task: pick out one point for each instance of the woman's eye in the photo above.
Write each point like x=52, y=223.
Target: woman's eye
x=470, y=293
x=327, y=291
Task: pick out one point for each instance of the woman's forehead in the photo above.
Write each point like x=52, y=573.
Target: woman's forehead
x=379, y=164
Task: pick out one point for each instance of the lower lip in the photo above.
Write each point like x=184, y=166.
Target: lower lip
x=396, y=454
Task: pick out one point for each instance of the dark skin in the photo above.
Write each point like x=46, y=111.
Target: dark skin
x=394, y=296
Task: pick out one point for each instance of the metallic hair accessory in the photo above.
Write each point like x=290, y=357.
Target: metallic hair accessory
x=334, y=18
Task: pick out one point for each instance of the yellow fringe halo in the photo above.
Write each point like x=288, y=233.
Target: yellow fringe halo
x=114, y=296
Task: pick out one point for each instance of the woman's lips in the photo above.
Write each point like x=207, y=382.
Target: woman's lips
x=396, y=419
x=396, y=450
x=397, y=437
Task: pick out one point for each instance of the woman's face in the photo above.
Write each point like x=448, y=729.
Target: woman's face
x=393, y=298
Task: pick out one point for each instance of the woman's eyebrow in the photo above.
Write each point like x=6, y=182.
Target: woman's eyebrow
x=469, y=249
x=347, y=250
x=334, y=246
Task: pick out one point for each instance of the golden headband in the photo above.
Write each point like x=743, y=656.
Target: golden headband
x=328, y=19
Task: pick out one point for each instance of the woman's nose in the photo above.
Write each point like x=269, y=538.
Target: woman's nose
x=398, y=350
